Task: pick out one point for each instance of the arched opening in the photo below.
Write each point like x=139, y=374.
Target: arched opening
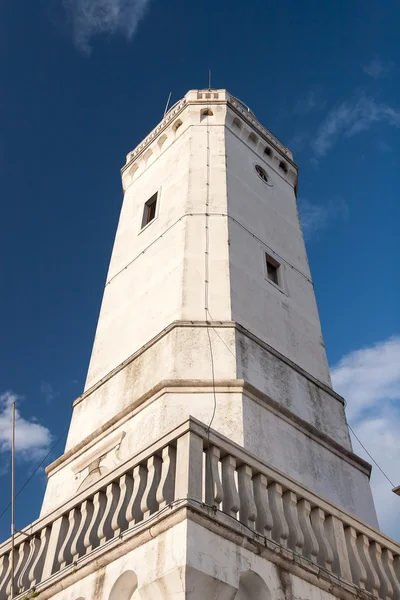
x=236, y=123
x=162, y=141
x=176, y=125
x=147, y=157
x=252, y=587
x=283, y=166
x=206, y=112
x=253, y=138
x=125, y=587
x=268, y=151
x=133, y=170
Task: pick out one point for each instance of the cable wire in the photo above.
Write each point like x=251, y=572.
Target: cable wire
x=206, y=262
x=35, y=471
x=371, y=457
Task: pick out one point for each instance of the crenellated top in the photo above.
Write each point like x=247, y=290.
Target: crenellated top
x=167, y=128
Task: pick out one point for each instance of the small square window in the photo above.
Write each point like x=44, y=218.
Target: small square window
x=149, y=212
x=272, y=269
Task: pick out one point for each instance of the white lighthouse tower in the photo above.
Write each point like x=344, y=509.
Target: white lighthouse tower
x=208, y=457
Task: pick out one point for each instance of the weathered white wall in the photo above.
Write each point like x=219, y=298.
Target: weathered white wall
x=292, y=389
x=184, y=354
x=157, y=275
x=190, y=562
x=146, y=270
x=286, y=320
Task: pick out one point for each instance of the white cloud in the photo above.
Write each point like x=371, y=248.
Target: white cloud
x=95, y=17
x=352, y=117
x=317, y=217
x=32, y=440
x=380, y=435
x=368, y=376
x=369, y=379
x=377, y=69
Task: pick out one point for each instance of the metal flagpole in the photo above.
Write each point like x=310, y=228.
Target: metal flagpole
x=12, y=499
x=167, y=105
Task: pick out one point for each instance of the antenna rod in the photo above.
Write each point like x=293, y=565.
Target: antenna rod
x=166, y=107
x=12, y=499
x=209, y=79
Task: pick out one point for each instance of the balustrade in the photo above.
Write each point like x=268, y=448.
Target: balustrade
x=202, y=469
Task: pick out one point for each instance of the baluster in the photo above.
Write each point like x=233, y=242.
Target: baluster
x=119, y=522
x=36, y=570
x=214, y=491
x=264, y=516
x=310, y=548
x=386, y=588
x=17, y=563
x=325, y=555
x=5, y=572
x=23, y=579
x=77, y=546
x=23, y=553
x=230, y=496
x=372, y=583
x=166, y=487
x=296, y=538
x=133, y=510
x=149, y=503
x=57, y=533
x=105, y=532
x=65, y=554
x=396, y=566
x=390, y=570
x=280, y=530
x=247, y=509
x=358, y=572
x=91, y=540
x=337, y=540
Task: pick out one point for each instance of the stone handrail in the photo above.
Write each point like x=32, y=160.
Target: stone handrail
x=203, y=469
x=294, y=518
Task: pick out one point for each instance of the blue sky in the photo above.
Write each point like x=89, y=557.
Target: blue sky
x=84, y=80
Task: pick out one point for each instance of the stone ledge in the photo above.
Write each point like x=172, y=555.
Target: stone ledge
x=201, y=386
x=214, y=325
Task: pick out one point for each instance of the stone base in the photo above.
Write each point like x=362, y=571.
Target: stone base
x=190, y=561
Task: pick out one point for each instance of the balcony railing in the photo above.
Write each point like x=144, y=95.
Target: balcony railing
x=205, y=471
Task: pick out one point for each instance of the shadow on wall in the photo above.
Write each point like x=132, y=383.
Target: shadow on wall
x=252, y=587
x=125, y=587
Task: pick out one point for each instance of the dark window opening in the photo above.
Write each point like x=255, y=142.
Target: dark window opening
x=149, y=212
x=272, y=269
x=261, y=173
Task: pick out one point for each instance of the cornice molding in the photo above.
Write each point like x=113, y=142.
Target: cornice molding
x=203, y=386
x=220, y=97
x=215, y=325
